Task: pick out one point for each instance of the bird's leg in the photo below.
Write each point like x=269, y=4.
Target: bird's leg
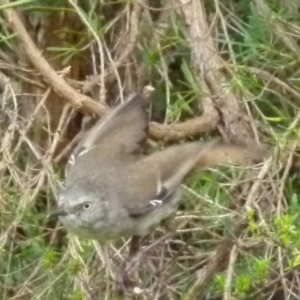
x=170, y=227
x=135, y=254
x=123, y=280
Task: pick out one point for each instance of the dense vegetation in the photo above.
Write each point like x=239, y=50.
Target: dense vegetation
x=228, y=68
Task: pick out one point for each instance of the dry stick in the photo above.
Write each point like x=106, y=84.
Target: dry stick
x=159, y=30
x=289, y=160
x=63, y=119
x=125, y=53
x=133, y=36
x=265, y=75
x=129, y=48
x=232, y=57
x=26, y=201
x=270, y=284
x=7, y=139
x=100, y=47
x=30, y=121
x=208, y=63
x=281, y=270
x=66, y=151
x=266, y=13
x=82, y=276
x=205, y=123
x=43, y=174
x=216, y=262
x=79, y=101
x=294, y=28
x=165, y=266
x=227, y=285
x=11, y=71
x=280, y=196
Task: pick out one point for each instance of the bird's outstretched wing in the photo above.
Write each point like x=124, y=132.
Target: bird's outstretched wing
x=161, y=173
x=122, y=131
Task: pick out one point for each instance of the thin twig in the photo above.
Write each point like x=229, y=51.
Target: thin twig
x=228, y=281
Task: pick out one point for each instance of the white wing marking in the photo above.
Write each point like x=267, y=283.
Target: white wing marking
x=83, y=152
x=156, y=202
x=72, y=160
x=158, y=185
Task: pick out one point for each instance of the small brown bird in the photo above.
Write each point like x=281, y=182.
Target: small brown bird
x=113, y=191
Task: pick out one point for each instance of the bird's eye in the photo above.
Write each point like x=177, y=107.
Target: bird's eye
x=87, y=205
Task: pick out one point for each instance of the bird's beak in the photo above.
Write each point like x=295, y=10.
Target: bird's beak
x=58, y=212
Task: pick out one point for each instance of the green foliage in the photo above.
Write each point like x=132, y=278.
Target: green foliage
x=242, y=285
x=220, y=282
x=286, y=230
x=261, y=268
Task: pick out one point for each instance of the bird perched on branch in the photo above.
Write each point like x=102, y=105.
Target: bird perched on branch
x=112, y=190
